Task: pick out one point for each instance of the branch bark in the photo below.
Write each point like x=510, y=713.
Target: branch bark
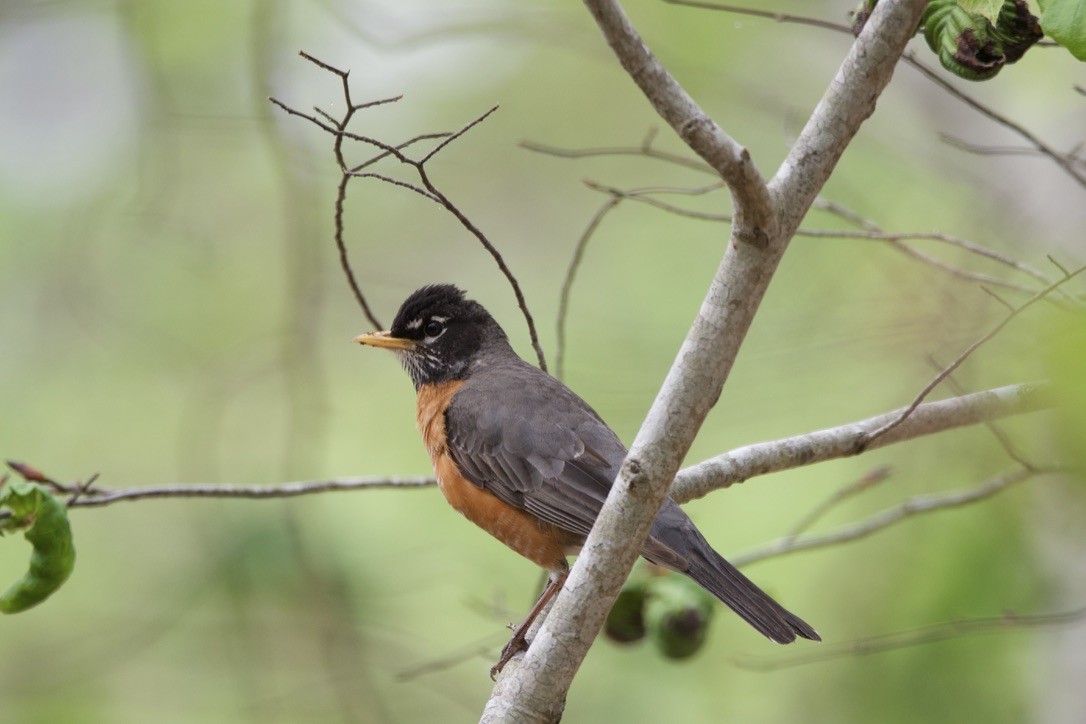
x=695, y=481
x=741, y=464
x=536, y=689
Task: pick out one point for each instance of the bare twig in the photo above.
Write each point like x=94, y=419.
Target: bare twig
x=82, y=489
x=917, y=505
x=106, y=496
x=397, y=182
x=769, y=15
x=984, y=150
x=1005, y=623
x=843, y=212
x=643, y=195
x=895, y=240
x=567, y=283
x=868, y=481
x=338, y=129
x=87, y=495
x=930, y=418
x=646, y=151
x=485, y=646
x=1064, y=161
x=700, y=133
x=964, y=356
x=996, y=430
x=1060, y=159
x=695, y=481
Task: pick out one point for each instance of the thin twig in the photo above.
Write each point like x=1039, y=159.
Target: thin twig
x=642, y=196
x=567, y=283
x=691, y=482
x=917, y=505
x=983, y=150
x=896, y=240
x=341, y=247
x=409, y=142
x=1062, y=160
x=483, y=647
x=82, y=489
x=107, y=496
x=868, y=481
x=932, y=633
x=964, y=356
x=843, y=212
x=749, y=461
x=397, y=182
x=453, y=136
x=643, y=150
x=996, y=430
x=427, y=190
x=769, y=15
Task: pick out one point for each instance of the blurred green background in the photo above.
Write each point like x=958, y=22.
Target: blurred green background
x=172, y=310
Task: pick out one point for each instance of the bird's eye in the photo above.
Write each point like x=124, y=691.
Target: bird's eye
x=433, y=328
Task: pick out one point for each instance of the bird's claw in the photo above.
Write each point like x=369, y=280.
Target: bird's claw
x=516, y=645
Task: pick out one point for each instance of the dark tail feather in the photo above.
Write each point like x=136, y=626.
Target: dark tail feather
x=674, y=540
x=753, y=605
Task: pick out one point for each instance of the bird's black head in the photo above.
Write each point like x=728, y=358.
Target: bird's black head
x=439, y=335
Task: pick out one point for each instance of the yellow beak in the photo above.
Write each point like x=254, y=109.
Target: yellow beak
x=385, y=340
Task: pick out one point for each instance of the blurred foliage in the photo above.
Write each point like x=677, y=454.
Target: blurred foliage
x=171, y=309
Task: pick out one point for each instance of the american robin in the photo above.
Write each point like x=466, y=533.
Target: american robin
x=523, y=457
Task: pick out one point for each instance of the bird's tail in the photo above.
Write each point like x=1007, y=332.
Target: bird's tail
x=709, y=569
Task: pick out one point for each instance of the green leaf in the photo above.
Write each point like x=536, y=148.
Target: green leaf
x=988, y=8
x=1065, y=22
x=965, y=43
x=44, y=519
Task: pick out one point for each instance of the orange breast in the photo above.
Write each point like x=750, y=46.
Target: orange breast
x=540, y=542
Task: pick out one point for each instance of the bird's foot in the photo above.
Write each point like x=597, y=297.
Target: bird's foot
x=516, y=644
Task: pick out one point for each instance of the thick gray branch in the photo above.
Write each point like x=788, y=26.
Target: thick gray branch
x=747, y=462
x=536, y=690
x=849, y=100
x=694, y=126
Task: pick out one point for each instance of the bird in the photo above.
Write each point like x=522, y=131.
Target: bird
x=522, y=456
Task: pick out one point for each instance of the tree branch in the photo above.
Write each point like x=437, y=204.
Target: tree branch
x=915, y=637
x=690, y=122
x=695, y=481
x=535, y=690
x=930, y=418
x=916, y=505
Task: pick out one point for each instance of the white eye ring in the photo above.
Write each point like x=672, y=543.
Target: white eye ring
x=434, y=329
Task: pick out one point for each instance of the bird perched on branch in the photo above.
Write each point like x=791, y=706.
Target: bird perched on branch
x=523, y=457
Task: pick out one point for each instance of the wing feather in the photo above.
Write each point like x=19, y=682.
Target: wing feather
x=559, y=469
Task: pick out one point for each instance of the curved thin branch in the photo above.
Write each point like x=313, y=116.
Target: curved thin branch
x=567, y=283
x=695, y=481
x=338, y=129
x=1067, y=162
x=645, y=150
x=916, y=505
x=915, y=637
x=689, y=121
x=97, y=497
x=891, y=424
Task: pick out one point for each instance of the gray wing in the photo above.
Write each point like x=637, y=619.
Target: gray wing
x=534, y=444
